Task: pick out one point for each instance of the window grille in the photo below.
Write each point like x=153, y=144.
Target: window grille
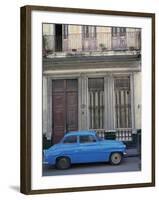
x=96, y=102
x=65, y=31
x=122, y=102
x=118, y=31
x=89, y=31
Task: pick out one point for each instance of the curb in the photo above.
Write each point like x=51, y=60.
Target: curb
x=133, y=155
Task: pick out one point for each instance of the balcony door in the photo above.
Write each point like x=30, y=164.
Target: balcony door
x=58, y=37
x=89, y=40
x=119, y=38
x=64, y=108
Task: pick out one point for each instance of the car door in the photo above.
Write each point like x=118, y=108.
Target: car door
x=90, y=149
x=71, y=148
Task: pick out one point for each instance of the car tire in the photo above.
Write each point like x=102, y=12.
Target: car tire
x=115, y=158
x=63, y=163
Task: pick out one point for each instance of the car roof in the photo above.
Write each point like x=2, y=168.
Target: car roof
x=79, y=133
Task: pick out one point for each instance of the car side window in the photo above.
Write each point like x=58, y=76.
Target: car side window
x=70, y=139
x=87, y=139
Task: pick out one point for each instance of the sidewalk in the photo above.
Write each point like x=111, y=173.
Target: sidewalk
x=132, y=152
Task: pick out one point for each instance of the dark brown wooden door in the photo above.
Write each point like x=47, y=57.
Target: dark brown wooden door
x=64, y=107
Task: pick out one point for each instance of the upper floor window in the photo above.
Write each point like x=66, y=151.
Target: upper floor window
x=86, y=33
x=114, y=31
x=122, y=31
x=94, y=32
x=89, y=31
x=65, y=31
x=118, y=31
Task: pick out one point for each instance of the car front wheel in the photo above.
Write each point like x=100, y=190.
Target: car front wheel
x=115, y=158
x=63, y=163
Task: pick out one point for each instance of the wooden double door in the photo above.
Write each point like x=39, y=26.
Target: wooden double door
x=64, y=107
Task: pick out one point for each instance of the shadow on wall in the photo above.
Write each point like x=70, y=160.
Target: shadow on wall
x=15, y=188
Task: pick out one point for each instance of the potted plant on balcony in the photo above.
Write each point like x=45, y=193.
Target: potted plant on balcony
x=102, y=46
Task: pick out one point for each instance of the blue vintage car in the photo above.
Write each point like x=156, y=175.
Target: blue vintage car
x=84, y=147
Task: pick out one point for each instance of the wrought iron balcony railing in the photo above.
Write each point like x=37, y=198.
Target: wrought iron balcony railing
x=121, y=134
x=101, y=42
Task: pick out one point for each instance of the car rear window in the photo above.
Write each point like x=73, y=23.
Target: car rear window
x=87, y=139
x=70, y=139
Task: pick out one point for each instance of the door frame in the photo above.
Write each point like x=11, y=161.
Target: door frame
x=65, y=114
x=132, y=97
x=49, y=100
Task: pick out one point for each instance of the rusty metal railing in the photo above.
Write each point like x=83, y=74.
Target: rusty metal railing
x=101, y=42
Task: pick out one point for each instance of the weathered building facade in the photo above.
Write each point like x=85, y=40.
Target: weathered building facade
x=91, y=80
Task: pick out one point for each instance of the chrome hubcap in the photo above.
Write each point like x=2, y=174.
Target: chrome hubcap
x=116, y=158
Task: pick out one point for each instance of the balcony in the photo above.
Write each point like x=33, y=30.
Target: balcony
x=101, y=44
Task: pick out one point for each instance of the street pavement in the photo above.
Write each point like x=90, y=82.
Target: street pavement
x=128, y=164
